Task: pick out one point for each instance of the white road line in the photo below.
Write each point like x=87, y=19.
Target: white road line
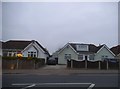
x=21, y=84
x=91, y=86
x=63, y=83
x=29, y=86
x=34, y=84
x=50, y=84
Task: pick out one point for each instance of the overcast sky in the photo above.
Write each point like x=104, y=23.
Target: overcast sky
x=53, y=24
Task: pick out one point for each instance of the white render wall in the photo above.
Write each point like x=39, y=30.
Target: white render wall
x=31, y=48
x=61, y=55
x=35, y=48
x=103, y=51
x=41, y=53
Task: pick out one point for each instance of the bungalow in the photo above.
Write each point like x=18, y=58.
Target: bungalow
x=82, y=52
x=26, y=48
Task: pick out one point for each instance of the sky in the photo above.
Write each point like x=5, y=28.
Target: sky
x=54, y=24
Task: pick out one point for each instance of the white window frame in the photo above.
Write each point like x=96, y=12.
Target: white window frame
x=9, y=54
x=32, y=54
x=12, y=54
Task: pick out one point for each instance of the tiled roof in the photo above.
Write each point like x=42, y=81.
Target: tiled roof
x=116, y=49
x=15, y=44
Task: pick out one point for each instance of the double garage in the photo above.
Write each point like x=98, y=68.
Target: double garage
x=85, y=64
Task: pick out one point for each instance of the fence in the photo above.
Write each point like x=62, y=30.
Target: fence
x=23, y=63
x=93, y=64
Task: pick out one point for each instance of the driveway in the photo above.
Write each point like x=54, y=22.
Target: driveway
x=54, y=67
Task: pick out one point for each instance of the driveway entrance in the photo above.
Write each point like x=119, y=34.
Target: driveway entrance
x=54, y=67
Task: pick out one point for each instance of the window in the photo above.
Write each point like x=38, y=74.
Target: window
x=12, y=54
x=32, y=54
x=67, y=56
x=15, y=54
x=91, y=57
x=9, y=54
x=104, y=56
x=80, y=57
x=82, y=47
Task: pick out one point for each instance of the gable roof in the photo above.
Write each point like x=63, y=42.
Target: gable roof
x=44, y=49
x=107, y=49
x=116, y=49
x=18, y=44
x=92, y=48
x=61, y=49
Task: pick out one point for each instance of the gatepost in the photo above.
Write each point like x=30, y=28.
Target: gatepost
x=19, y=55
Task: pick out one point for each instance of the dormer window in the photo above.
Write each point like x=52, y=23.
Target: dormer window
x=82, y=47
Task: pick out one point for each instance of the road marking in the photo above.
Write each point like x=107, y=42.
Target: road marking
x=50, y=83
x=34, y=84
x=63, y=83
x=91, y=86
x=29, y=86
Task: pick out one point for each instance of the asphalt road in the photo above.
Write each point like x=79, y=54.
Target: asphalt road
x=23, y=80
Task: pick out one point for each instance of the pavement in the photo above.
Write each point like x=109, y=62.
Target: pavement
x=58, y=70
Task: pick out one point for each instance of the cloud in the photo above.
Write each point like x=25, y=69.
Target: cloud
x=55, y=24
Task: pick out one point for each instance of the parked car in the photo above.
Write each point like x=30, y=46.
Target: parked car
x=51, y=61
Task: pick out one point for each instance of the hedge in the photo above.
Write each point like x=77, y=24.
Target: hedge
x=23, y=58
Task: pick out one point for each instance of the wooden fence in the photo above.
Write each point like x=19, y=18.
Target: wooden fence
x=92, y=65
x=24, y=63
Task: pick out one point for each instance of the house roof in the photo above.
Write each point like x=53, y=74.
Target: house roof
x=15, y=44
x=18, y=44
x=44, y=49
x=116, y=49
x=92, y=48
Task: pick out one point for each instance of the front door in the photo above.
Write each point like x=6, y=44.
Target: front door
x=86, y=57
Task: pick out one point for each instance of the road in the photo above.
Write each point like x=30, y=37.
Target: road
x=100, y=80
